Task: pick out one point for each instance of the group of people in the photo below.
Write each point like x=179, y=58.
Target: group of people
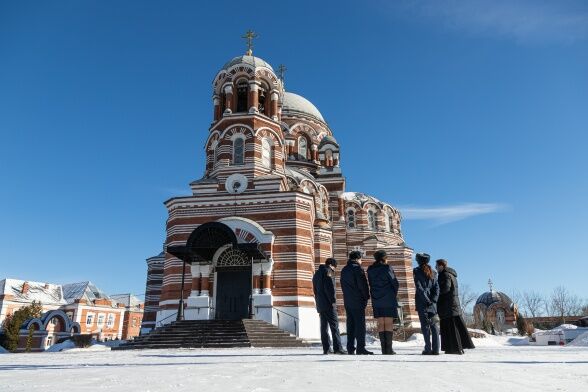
x=436, y=299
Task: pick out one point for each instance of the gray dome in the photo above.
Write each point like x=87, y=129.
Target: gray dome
x=328, y=139
x=296, y=104
x=249, y=60
x=492, y=297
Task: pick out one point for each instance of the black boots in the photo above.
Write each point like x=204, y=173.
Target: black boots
x=386, y=342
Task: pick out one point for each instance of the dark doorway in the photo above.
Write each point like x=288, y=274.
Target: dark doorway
x=233, y=289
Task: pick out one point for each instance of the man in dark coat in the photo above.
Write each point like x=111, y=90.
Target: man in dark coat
x=355, y=296
x=323, y=284
x=426, y=297
x=454, y=333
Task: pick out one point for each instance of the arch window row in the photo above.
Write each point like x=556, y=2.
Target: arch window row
x=372, y=220
x=244, y=97
x=238, y=152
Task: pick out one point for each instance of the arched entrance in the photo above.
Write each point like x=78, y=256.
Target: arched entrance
x=233, y=276
x=214, y=250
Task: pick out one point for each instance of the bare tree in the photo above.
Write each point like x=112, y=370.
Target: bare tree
x=585, y=309
x=532, y=303
x=564, y=304
x=466, y=299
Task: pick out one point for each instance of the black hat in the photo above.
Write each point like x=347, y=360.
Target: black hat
x=355, y=255
x=331, y=261
x=379, y=254
x=422, y=258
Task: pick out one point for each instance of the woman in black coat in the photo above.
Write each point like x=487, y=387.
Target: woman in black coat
x=426, y=297
x=454, y=333
x=383, y=291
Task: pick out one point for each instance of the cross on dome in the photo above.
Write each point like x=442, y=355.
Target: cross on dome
x=250, y=35
x=490, y=284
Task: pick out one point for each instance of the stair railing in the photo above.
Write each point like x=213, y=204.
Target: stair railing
x=296, y=319
x=160, y=322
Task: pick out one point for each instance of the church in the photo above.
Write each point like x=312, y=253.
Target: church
x=271, y=206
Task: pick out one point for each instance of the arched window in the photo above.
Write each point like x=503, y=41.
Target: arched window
x=387, y=221
x=302, y=147
x=238, y=151
x=242, y=92
x=262, y=99
x=351, y=218
x=372, y=223
x=266, y=153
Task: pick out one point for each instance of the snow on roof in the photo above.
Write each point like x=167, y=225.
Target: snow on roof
x=82, y=290
x=362, y=199
x=126, y=299
x=45, y=293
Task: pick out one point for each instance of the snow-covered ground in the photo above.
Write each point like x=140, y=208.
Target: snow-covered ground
x=494, y=366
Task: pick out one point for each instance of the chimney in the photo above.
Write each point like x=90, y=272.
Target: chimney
x=25, y=288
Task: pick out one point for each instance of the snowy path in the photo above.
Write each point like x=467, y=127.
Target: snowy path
x=503, y=368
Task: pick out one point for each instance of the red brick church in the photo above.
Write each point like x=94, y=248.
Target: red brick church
x=270, y=207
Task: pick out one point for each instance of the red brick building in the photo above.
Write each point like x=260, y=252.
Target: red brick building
x=84, y=304
x=271, y=206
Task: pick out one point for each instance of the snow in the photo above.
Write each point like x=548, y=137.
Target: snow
x=502, y=367
x=68, y=344
x=580, y=341
x=564, y=327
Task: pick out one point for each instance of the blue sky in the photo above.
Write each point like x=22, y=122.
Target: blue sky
x=471, y=117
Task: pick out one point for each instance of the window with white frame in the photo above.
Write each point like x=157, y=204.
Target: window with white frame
x=266, y=152
x=89, y=318
x=238, y=151
x=49, y=340
x=110, y=320
x=372, y=223
x=302, y=147
x=351, y=218
x=100, y=320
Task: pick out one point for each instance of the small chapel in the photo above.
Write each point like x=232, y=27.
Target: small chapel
x=271, y=206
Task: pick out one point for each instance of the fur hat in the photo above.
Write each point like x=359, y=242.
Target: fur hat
x=422, y=258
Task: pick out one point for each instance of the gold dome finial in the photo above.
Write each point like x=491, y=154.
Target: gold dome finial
x=250, y=35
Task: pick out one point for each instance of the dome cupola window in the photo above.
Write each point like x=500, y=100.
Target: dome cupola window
x=302, y=148
x=266, y=153
x=372, y=223
x=238, y=151
x=242, y=92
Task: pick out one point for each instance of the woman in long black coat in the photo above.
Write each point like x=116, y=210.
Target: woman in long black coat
x=454, y=333
x=383, y=291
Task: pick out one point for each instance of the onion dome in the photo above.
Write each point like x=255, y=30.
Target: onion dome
x=252, y=61
x=491, y=297
x=294, y=104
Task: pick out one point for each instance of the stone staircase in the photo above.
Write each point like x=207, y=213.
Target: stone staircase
x=214, y=334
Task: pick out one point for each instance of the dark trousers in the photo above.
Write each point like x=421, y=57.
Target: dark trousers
x=330, y=320
x=355, y=329
x=430, y=330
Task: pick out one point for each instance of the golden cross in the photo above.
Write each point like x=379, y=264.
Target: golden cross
x=250, y=35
